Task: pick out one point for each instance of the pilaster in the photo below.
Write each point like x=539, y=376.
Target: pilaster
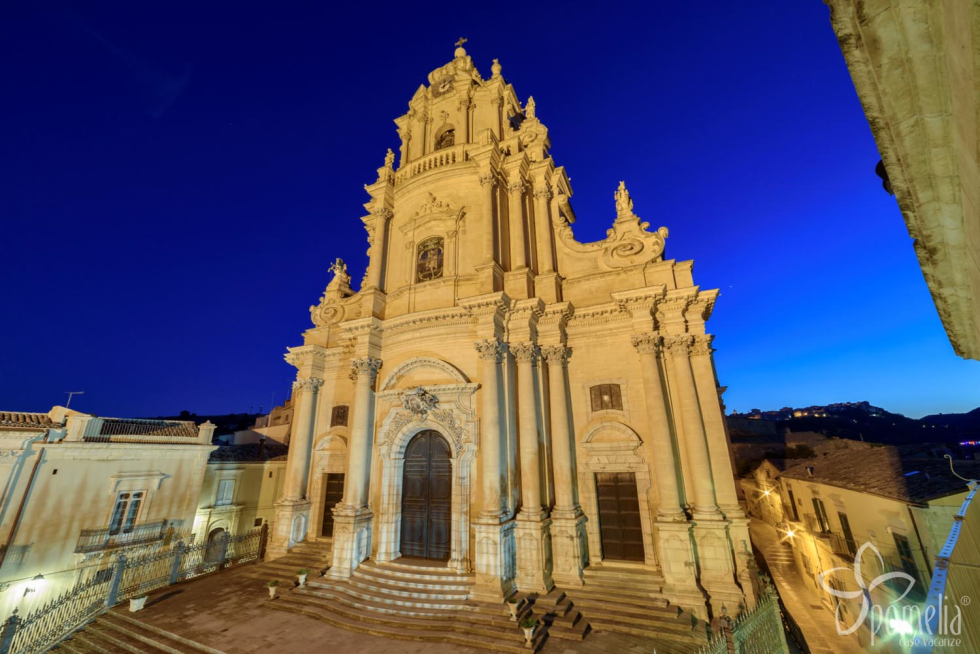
x=351, y=539
x=496, y=565
x=679, y=567
x=716, y=572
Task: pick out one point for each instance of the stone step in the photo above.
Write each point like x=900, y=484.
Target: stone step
x=418, y=566
x=71, y=646
x=563, y=618
x=121, y=620
x=693, y=639
x=125, y=641
x=93, y=641
x=654, y=600
x=412, y=593
x=416, y=573
x=449, y=621
x=475, y=612
x=588, y=605
x=382, y=598
x=379, y=575
x=499, y=642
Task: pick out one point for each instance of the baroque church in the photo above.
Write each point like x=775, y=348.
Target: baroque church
x=501, y=401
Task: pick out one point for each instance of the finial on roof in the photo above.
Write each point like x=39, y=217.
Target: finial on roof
x=624, y=203
x=496, y=68
x=460, y=52
x=530, y=107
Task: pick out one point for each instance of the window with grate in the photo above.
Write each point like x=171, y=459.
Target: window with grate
x=339, y=415
x=607, y=397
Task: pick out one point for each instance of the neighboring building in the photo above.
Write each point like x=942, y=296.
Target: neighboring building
x=501, y=399
x=275, y=426
x=855, y=493
x=78, y=489
x=241, y=485
x=913, y=66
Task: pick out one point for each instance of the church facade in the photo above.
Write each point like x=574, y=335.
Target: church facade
x=501, y=399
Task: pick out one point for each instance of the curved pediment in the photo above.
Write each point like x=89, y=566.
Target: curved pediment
x=423, y=371
x=609, y=433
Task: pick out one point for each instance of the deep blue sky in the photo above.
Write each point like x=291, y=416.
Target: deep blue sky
x=176, y=177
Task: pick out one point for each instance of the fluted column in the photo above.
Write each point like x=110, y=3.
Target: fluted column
x=542, y=193
x=378, y=242
x=568, y=535
x=714, y=426
x=705, y=507
x=566, y=497
x=305, y=392
x=516, y=204
x=363, y=372
x=489, y=183
x=664, y=462
x=490, y=351
x=526, y=354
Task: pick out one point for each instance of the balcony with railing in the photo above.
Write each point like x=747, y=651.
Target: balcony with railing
x=100, y=540
x=815, y=526
x=438, y=159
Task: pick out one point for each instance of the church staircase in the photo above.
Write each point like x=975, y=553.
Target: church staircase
x=315, y=556
x=630, y=600
x=421, y=602
x=116, y=632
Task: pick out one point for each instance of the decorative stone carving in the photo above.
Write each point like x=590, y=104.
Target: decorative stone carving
x=624, y=203
x=365, y=366
x=530, y=108
x=307, y=384
x=390, y=159
x=524, y=352
x=434, y=205
x=701, y=345
x=419, y=402
x=555, y=354
x=542, y=192
x=384, y=213
x=679, y=344
x=495, y=68
x=646, y=343
x=490, y=349
x=489, y=179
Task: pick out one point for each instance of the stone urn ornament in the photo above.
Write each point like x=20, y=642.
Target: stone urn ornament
x=273, y=588
x=301, y=575
x=529, y=624
x=136, y=603
x=513, y=605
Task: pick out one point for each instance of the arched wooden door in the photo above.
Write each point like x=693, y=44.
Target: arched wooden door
x=427, y=497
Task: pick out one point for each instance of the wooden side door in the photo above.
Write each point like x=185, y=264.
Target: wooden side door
x=619, y=516
x=333, y=493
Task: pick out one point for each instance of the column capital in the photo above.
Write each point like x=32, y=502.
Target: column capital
x=365, y=366
x=490, y=349
x=489, y=178
x=701, y=346
x=555, y=354
x=383, y=214
x=679, y=344
x=307, y=384
x=516, y=186
x=542, y=191
x=647, y=343
x=524, y=352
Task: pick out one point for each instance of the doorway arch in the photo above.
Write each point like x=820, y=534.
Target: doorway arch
x=427, y=482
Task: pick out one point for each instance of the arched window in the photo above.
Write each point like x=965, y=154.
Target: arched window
x=429, y=261
x=446, y=139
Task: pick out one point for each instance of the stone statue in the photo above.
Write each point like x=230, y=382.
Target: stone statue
x=529, y=109
x=496, y=68
x=624, y=203
x=339, y=269
x=389, y=160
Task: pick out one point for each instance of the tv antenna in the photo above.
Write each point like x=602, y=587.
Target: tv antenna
x=71, y=394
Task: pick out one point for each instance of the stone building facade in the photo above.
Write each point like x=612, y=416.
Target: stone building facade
x=498, y=395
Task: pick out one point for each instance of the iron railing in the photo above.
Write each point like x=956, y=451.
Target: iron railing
x=758, y=631
x=97, y=540
x=126, y=578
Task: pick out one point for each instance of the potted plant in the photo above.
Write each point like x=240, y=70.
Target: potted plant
x=301, y=573
x=512, y=606
x=528, y=624
x=273, y=587
x=136, y=603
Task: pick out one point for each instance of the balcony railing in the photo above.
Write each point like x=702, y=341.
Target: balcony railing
x=842, y=546
x=437, y=159
x=98, y=540
x=814, y=526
